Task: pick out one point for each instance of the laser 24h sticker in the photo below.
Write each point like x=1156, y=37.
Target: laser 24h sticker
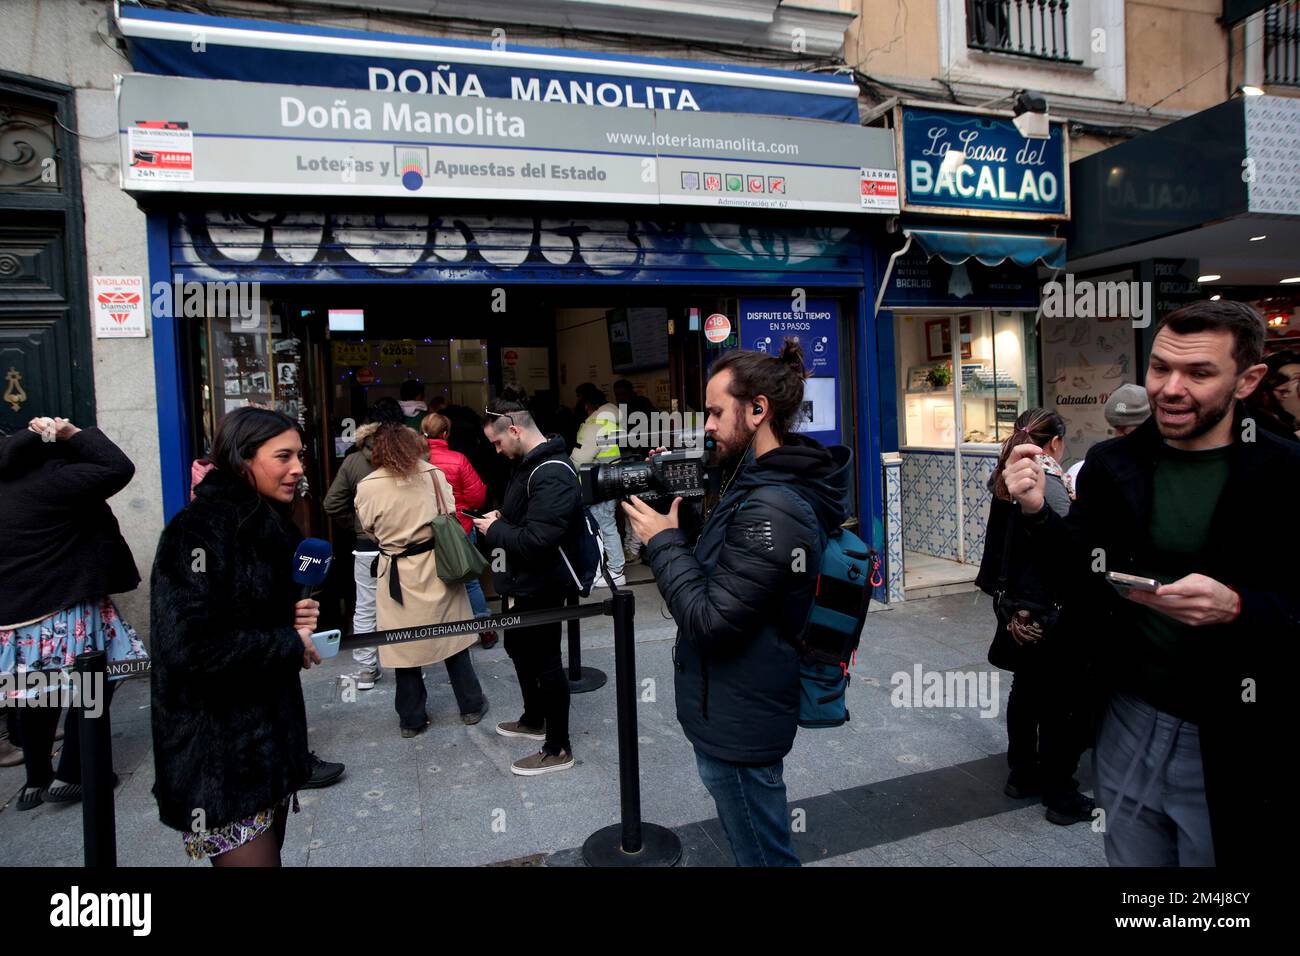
x=159, y=151
x=880, y=189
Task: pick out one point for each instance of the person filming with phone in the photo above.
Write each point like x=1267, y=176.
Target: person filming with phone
x=1048, y=706
x=1190, y=603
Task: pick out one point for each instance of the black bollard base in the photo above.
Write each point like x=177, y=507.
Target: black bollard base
x=659, y=847
x=591, y=679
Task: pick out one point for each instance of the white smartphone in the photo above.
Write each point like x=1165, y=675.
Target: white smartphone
x=327, y=643
x=1131, y=582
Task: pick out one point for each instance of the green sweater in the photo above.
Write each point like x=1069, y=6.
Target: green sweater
x=1185, y=493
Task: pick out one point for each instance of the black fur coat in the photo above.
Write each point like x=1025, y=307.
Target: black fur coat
x=229, y=725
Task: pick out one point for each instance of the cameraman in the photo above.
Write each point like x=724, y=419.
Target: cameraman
x=541, y=511
x=741, y=597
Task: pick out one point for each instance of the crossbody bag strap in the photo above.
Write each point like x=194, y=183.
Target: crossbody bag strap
x=549, y=461
x=1005, y=566
x=529, y=489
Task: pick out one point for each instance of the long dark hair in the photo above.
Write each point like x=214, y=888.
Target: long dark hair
x=779, y=377
x=1035, y=425
x=1264, y=397
x=241, y=432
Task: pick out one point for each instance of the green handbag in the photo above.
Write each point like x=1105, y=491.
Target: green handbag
x=458, y=561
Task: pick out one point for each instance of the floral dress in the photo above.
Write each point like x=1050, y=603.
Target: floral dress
x=53, y=643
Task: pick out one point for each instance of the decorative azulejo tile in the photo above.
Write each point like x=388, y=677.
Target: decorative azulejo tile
x=976, y=471
x=929, y=503
x=893, y=483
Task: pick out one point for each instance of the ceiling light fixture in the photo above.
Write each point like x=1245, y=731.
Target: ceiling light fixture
x=1209, y=278
x=1291, y=281
x=1257, y=238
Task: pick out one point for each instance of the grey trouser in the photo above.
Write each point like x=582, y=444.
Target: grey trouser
x=363, y=619
x=1150, y=782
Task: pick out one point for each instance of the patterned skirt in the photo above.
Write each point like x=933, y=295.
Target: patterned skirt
x=54, y=642
x=203, y=844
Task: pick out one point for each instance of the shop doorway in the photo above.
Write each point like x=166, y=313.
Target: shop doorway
x=45, y=345
x=965, y=376
x=324, y=356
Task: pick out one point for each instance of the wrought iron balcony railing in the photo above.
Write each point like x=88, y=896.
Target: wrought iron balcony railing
x=1282, y=44
x=1038, y=29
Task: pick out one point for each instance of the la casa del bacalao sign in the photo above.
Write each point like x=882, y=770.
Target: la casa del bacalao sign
x=1003, y=174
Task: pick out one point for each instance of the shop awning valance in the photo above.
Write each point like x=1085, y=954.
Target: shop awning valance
x=990, y=248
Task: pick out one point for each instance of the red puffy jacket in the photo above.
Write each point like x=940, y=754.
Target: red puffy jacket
x=465, y=483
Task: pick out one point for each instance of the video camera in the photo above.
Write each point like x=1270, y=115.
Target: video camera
x=660, y=477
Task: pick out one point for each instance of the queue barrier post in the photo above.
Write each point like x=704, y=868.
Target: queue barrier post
x=631, y=842
x=581, y=679
x=98, y=815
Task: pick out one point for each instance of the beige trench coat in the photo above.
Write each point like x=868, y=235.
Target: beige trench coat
x=396, y=512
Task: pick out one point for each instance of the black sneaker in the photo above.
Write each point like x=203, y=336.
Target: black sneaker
x=323, y=773
x=1071, y=808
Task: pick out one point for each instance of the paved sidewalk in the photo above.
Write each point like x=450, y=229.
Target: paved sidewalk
x=896, y=786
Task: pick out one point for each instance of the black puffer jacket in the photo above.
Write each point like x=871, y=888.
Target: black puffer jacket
x=229, y=725
x=739, y=601
x=535, y=521
x=62, y=543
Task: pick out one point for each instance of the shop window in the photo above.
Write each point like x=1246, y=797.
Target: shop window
x=973, y=395
x=993, y=392
x=252, y=363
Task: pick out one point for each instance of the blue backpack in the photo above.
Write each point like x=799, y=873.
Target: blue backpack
x=849, y=570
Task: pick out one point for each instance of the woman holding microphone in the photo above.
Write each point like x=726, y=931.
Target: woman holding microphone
x=230, y=634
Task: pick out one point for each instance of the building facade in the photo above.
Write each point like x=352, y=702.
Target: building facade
x=589, y=278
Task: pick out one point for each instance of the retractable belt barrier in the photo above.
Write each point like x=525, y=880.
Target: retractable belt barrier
x=628, y=843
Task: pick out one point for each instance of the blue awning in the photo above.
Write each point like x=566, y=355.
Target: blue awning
x=990, y=248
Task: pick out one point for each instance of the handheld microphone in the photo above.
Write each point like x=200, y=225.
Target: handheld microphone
x=311, y=564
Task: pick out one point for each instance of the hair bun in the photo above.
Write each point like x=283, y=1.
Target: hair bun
x=792, y=355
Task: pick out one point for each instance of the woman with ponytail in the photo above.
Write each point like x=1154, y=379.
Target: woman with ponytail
x=1046, y=712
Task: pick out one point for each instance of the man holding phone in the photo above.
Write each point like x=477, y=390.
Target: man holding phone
x=1186, y=772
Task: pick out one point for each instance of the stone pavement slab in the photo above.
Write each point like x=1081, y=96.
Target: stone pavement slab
x=891, y=785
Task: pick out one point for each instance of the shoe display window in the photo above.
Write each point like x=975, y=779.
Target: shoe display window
x=1084, y=360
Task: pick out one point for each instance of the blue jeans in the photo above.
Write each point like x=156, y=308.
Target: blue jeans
x=752, y=807
x=604, y=513
x=475, y=589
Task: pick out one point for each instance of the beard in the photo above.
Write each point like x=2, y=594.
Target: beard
x=1204, y=419
x=728, y=449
